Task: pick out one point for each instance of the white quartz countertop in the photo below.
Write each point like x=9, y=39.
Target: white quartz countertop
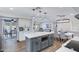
x=36, y=34
x=68, y=33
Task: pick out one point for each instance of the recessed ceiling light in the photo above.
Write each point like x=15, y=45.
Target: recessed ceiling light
x=11, y=8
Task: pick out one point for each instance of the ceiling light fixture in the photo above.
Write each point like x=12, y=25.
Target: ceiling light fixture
x=11, y=8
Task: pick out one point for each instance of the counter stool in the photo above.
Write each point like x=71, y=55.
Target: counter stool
x=57, y=37
x=63, y=38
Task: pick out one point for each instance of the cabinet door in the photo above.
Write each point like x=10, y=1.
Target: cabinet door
x=10, y=45
x=36, y=44
x=51, y=39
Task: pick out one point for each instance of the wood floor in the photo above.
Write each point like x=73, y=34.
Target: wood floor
x=53, y=48
x=21, y=46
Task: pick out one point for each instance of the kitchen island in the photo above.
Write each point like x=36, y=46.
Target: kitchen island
x=37, y=41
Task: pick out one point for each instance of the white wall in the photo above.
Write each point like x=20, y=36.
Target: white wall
x=73, y=25
x=23, y=23
x=65, y=26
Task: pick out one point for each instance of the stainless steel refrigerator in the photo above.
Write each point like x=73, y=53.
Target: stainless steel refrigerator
x=8, y=30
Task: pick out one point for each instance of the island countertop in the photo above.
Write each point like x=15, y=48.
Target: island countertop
x=37, y=34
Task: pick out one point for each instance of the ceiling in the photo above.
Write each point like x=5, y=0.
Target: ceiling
x=16, y=12
x=26, y=12
x=76, y=9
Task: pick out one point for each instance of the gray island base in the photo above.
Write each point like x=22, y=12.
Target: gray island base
x=38, y=41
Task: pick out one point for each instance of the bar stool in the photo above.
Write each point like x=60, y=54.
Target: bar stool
x=63, y=37
x=57, y=37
